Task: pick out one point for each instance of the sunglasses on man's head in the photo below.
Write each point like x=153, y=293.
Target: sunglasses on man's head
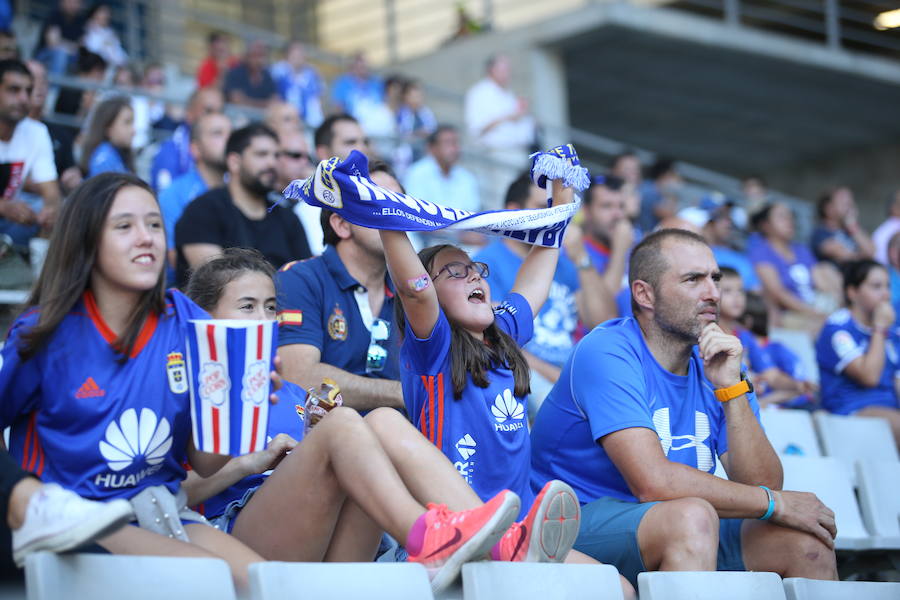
x=459, y=270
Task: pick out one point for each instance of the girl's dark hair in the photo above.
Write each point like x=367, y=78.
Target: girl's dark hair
x=469, y=356
x=207, y=283
x=104, y=115
x=71, y=257
x=856, y=271
x=761, y=216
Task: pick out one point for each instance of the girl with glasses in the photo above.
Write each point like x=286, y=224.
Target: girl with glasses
x=465, y=379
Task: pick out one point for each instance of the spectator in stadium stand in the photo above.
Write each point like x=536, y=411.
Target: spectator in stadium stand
x=893, y=252
x=9, y=49
x=357, y=87
x=62, y=137
x=174, y=157
x=238, y=214
x=857, y=350
x=107, y=139
x=660, y=192
x=328, y=307
x=339, y=135
x=100, y=37
x=415, y=121
x=299, y=84
x=60, y=36
x=26, y=155
x=882, y=235
x=438, y=177
x=839, y=237
x=643, y=407
x=281, y=116
x=295, y=162
x=90, y=68
x=208, y=138
x=500, y=123
x=608, y=237
x=755, y=192
x=577, y=292
x=718, y=231
x=627, y=166
x=218, y=61
x=787, y=269
x=249, y=83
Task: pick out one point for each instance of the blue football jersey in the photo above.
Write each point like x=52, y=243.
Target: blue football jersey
x=82, y=419
x=284, y=417
x=612, y=382
x=841, y=341
x=484, y=433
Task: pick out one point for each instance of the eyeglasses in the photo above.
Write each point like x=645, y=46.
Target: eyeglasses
x=376, y=356
x=459, y=270
x=295, y=155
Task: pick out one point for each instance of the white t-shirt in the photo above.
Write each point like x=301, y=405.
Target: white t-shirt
x=486, y=102
x=27, y=155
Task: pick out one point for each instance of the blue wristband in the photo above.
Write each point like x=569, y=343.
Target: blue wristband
x=771, y=508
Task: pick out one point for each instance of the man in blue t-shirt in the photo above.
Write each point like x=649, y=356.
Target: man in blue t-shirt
x=336, y=313
x=634, y=424
x=576, y=293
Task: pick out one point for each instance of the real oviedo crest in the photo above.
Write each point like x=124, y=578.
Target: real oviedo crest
x=337, y=325
x=176, y=371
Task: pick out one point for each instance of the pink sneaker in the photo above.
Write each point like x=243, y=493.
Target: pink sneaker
x=453, y=538
x=548, y=530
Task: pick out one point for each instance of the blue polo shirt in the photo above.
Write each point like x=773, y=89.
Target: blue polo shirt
x=317, y=306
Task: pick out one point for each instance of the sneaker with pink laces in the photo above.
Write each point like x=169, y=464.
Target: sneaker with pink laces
x=547, y=532
x=454, y=538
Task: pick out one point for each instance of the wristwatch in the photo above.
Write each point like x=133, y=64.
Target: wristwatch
x=744, y=386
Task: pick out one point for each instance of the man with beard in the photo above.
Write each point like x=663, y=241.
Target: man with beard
x=336, y=313
x=208, y=137
x=643, y=407
x=238, y=214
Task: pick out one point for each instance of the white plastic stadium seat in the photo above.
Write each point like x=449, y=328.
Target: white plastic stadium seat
x=828, y=479
x=105, y=577
x=797, y=588
x=530, y=581
x=790, y=431
x=879, y=500
x=854, y=438
x=339, y=581
x=698, y=585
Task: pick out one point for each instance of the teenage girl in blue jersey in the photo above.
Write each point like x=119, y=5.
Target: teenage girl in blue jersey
x=93, y=388
x=465, y=379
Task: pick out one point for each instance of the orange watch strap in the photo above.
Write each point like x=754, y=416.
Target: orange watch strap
x=732, y=392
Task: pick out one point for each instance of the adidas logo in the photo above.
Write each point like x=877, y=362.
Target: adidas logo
x=90, y=389
x=507, y=408
x=131, y=438
x=466, y=446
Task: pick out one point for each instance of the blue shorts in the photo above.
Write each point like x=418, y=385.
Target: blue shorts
x=609, y=534
x=225, y=521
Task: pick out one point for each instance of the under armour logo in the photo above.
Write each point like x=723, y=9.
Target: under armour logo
x=672, y=442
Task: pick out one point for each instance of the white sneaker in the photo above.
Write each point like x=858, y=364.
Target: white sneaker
x=57, y=520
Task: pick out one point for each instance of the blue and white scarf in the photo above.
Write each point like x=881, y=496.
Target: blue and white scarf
x=344, y=186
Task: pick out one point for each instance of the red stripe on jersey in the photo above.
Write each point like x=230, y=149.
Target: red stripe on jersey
x=26, y=450
x=431, y=408
x=259, y=343
x=423, y=418
x=440, y=423
x=211, y=340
